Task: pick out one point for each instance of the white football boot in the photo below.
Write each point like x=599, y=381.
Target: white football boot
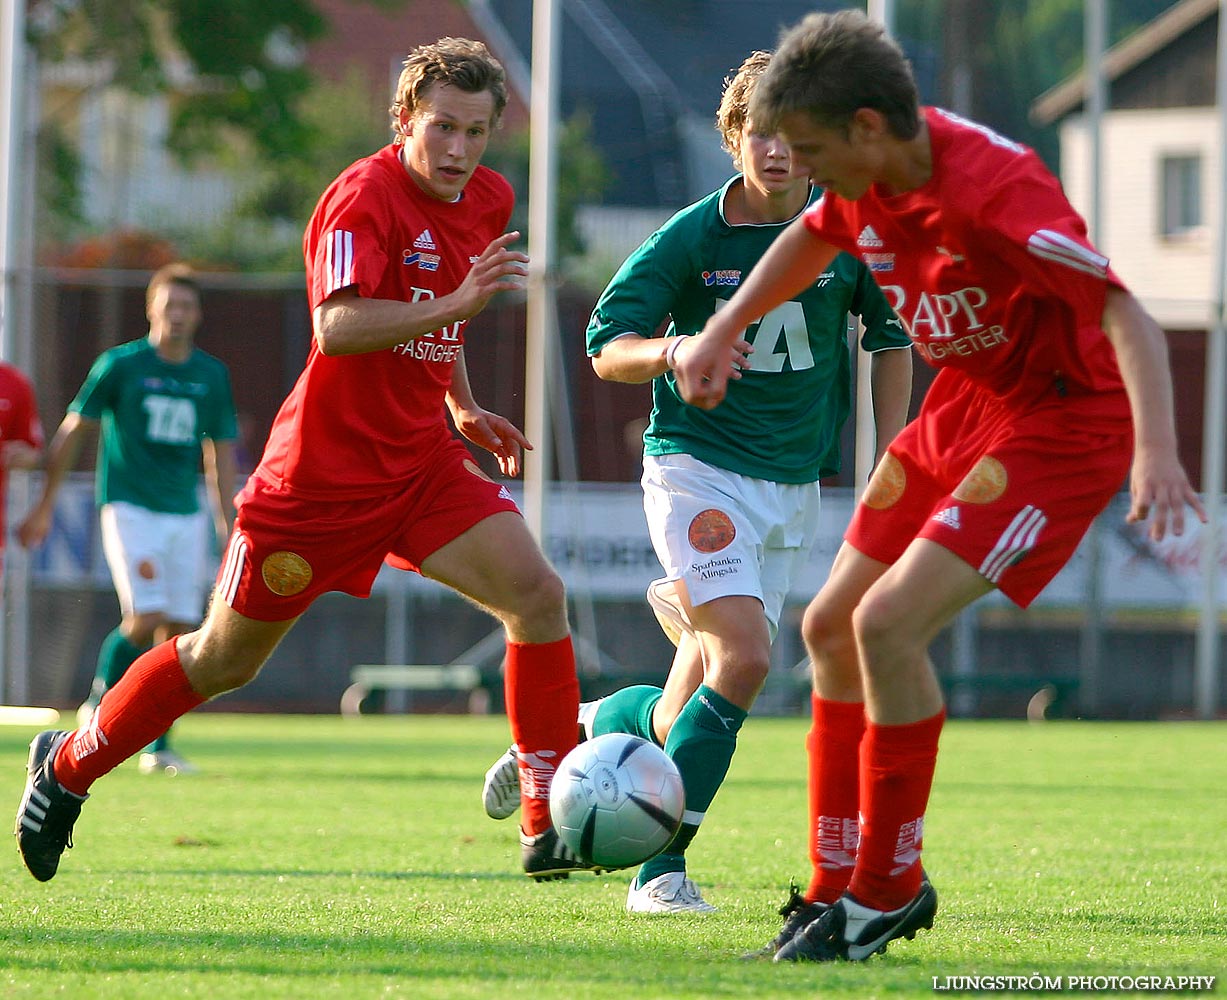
x=671, y=892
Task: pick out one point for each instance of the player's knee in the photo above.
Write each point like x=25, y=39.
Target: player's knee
x=877, y=624
x=543, y=597
x=827, y=634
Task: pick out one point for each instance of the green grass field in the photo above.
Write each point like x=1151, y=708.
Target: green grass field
x=321, y=857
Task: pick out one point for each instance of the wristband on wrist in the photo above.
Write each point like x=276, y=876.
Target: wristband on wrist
x=671, y=351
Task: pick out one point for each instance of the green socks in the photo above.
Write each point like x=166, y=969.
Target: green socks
x=115, y=656
x=701, y=743
x=627, y=711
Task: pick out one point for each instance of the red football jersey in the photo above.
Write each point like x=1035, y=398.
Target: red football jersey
x=18, y=421
x=990, y=269
x=356, y=425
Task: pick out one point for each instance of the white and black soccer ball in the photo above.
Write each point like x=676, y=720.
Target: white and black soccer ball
x=616, y=800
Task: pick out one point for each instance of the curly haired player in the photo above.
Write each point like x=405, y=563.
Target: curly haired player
x=731, y=496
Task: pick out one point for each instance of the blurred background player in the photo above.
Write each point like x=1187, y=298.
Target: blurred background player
x=21, y=434
x=161, y=402
x=731, y=496
x=1051, y=380
x=402, y=250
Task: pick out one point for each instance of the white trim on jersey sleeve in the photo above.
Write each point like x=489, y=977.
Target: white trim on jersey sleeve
x=338, y=260
x=1060, y=248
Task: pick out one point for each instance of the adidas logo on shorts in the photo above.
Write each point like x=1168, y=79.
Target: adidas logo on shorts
x=949, y=517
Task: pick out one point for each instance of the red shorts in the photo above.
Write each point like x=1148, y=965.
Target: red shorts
x=285, y=550
x=1009, y=492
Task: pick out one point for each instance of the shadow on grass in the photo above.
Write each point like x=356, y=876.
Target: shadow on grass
x=338, y=873
x=418, y=952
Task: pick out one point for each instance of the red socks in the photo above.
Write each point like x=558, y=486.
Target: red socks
x=151, y=695
x=833, y=744
x=896, y=770
x=542, y=694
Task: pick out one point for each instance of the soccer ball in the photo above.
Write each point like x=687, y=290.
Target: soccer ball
x=616, y=800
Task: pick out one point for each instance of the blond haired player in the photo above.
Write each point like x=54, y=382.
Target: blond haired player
x=404, y=248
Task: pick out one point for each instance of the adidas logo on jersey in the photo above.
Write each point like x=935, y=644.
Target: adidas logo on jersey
x=425, y=241
x=869, y=239
x=949, y=517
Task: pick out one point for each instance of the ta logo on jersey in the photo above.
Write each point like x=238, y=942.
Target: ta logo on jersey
x=879, y=262
x=425, y=241
x=722, y=279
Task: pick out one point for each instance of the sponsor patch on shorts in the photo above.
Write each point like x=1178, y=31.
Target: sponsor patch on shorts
x=886, y=485
x=710, y=531
x=286, y=573
x=984, y=483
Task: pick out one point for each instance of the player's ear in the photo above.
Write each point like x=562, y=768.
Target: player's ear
x=868, y=123
x=404, y=122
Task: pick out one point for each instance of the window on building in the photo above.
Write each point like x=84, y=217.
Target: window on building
x=1180, y=204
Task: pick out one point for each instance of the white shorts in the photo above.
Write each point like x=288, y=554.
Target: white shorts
x=158, y=561
x=725, y=535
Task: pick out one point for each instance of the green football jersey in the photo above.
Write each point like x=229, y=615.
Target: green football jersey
x=153, y=415
x=781, y=421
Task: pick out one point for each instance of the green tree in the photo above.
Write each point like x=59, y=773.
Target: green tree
x=241, y=59
x=232, y=73
x=1010, y=52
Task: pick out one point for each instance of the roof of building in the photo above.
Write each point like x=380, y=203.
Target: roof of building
x=1127, y=55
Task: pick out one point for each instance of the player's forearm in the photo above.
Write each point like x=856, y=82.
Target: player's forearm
x=221, y=473
x=1141, y=355
x=632, y=358
x=349, y=324
x=891, y=389
x=792, y=263
x=62, y=455
x=460, y=393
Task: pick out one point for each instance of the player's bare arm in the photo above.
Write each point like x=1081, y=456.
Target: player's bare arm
x=1158, y=485
x=220, y=469
x=488, y=430
x=347, y=323
x=61, y=456
x=634, y=358
x=706, y=362
x=890, y=381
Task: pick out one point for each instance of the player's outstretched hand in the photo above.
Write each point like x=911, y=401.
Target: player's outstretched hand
x=1160, y=489
x=496, y=434
x=703, y=365
x=34, y=529
x=498, y=269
